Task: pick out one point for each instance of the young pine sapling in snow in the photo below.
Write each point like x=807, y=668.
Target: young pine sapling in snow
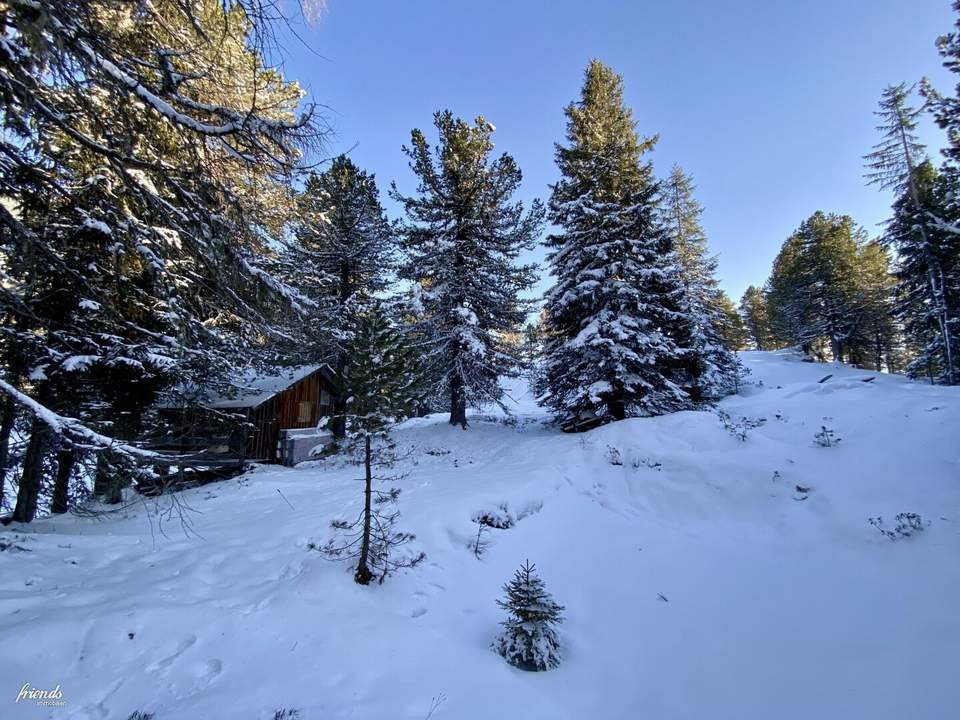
x=380, y=388
x=529, y=640
x=825, y=438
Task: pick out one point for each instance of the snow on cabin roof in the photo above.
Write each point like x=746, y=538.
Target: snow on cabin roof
x=252, y=387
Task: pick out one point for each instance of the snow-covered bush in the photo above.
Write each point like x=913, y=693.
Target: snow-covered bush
x=908, y=525
x=498, y=517
x=613, y=456
x=739, y=427
x=529, y=640
x=639, y=462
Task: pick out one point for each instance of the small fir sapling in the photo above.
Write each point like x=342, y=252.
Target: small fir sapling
x=479, y=544
x=381, y=387
x=529, y=640
x=825, y=438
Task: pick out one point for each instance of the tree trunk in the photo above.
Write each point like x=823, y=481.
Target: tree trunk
x=8, y=415
x=32, y=475
x=458, y=402
x=66, y=459
x=106, y=483
x=616, y=405
x=363, y=574
x=338, y=425
x=836, y=349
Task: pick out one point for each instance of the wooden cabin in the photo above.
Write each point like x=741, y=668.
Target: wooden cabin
x=256, y=420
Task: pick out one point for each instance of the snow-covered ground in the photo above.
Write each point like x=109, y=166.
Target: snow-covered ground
x=698, y=581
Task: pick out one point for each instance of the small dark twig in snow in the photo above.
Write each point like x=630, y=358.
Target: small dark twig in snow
x=285, y=499
x=435, y=704
x=824, y=379
x=663, y=597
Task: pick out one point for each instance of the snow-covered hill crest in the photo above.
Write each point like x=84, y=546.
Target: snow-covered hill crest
x=712, y=564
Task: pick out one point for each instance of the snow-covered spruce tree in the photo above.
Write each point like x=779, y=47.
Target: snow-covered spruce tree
x=617, y=336
x=381, y=387
x=717, y=374
x=341, y=256
x=144, y=161
x=463, y=235
x=529, y=639
x=920, y=228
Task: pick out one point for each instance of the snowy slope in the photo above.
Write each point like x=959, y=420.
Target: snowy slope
x=778, y=603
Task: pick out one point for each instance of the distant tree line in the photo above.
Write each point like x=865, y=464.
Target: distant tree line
x=891, y=303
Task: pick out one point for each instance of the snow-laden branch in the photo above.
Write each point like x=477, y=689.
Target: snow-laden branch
x=73, y=428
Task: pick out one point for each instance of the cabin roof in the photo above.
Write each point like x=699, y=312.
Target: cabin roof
x=252, y=388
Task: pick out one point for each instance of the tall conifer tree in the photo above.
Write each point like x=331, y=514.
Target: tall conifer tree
x=718, y=367
x=930, y=267
x=463, y=235
x=342, y=255
x=618, y=339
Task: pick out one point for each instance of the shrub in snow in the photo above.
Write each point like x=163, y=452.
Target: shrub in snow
x=613, y=456
x=825, y=438
x=529, y=640
x=639, y=462
x=140, y=715
x=739, y=427
x=908, y=525
x=284, y=714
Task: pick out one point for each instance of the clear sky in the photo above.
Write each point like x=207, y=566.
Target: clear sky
x=767, y=103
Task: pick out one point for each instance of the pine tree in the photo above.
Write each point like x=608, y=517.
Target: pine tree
x=756, y=317
x=381, y=387
x=342, y=255
x=876, y=340
x=617, y=337
x=718, y=367
x=529, y=640
x=733, y=332
x=812, y=293
x=946, y=108
x=922, y=234
x=463, y=236
x=895, y=163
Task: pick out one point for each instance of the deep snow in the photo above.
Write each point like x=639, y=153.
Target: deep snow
x=698, y=581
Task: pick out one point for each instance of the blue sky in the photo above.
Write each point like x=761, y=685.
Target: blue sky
x=767, y=104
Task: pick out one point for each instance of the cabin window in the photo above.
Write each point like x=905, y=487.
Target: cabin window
x=305, y=411
x=324, y=396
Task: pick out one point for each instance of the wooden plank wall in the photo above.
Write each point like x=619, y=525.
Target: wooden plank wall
x=282, y=412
